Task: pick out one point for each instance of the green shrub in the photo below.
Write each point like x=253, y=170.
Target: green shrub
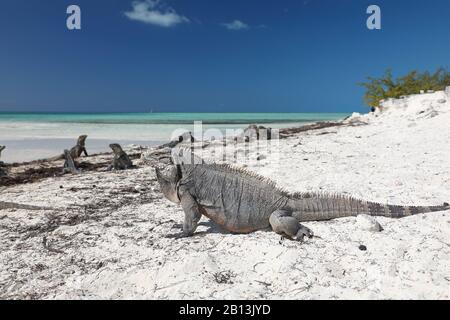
x=378, y=89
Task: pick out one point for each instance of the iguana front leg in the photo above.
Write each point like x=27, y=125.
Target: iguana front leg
x=85, y=152
x=192, y=214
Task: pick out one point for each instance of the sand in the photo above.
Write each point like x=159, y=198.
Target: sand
x=117, y=245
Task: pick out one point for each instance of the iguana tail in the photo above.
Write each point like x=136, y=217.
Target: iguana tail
x=315, y=207
x=60, y=157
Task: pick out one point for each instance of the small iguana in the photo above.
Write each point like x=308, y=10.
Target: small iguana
x=186, y=138
x=243, y=202
x=76, y=151
x=80, y=147
x=2, y=172
x=69, y=163
x=121, y=160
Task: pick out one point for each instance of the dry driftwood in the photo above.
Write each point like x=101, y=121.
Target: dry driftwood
x=284, y=133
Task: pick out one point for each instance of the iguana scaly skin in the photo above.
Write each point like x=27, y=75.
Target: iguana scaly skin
x=242, y=202
x=121, y=160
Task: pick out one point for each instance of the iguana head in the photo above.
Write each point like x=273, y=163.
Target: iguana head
x=168, y=179
x=116, y=148
x=81, y=140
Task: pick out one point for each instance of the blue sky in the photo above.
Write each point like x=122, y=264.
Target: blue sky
x=211, y=55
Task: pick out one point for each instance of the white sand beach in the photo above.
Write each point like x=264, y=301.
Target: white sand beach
x=110, y=240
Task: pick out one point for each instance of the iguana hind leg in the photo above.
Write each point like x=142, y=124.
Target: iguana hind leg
x=283, y=223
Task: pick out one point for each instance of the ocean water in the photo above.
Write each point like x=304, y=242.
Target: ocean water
x=30, y=136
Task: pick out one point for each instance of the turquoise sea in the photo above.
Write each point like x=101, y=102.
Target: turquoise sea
x=169, y=118
x=30, y=136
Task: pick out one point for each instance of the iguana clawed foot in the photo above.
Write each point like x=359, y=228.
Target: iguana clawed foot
x=303, y=232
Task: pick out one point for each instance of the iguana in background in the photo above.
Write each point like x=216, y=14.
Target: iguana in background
x=76, y=151
x=79, y=148
x=121, y=160
x=2, y=172
x=69, y=163
x=243, y=202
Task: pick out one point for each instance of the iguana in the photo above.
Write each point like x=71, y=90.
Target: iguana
x=186, y=137
x=121, y=160
x=69, y=163
x=79, y=148
x=243, y=202
x=255, y=132
x=76, y=151
x=2, y=172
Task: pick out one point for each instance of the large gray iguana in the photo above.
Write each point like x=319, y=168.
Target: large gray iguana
x=243, y=202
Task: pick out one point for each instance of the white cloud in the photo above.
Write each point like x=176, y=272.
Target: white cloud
x=235, y=25
x=156, y=13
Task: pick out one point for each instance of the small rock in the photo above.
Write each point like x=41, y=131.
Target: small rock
x=362, y=247
x=442, y=101
x=139, y=188
x=224, y=277
x=261, y=157
x=369, y=223
x=433, y=114
x=398, y=183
